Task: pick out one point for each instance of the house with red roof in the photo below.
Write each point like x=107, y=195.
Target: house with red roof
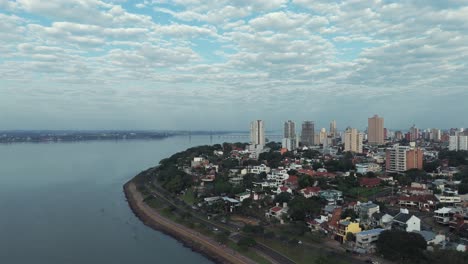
x=277, y=211
x=369, y=182
x=282, y=189
x=292, y=182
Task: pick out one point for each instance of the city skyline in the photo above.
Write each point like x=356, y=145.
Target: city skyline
x=216, y=65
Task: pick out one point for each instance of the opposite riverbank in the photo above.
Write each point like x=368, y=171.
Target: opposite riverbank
x=190, y=238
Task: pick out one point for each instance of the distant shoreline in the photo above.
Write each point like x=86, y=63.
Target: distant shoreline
x=191, y=239
x=19, y=136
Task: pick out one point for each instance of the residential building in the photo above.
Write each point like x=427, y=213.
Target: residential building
x=448, y=197
x=431, y=238
x=366, y=210
x=332, y=196
x=414, y=133
x=322, y=136
x=458, y=142
x=365, y=240
x=242, y=196
x=398, y=135
x=309, y=192
x=353, y=140
x=283, y=189
x=375, y=130
x=443, y=215
x=345, y=227
x=289, y=137
x=435, y=135
x=333, y=131
x=381, y=219
x=278, y=211
x=257, y=133
x=402, y=158
x=308, y=133
x=369, y=182
x=259, y=169
x=364, y=168
x=406, y=221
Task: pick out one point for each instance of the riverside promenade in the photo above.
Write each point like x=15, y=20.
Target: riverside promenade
x=198, y=242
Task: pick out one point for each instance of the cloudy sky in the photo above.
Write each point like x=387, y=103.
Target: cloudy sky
x=196, y=64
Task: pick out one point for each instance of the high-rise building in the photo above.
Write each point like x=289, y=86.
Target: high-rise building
x=458, y=142
x=435, y=134
x=257, y=133
x=323, y=136
x=289, y=139
x=398, y=135
x=353, y=140
x=375, y=130
x=402, y=158
x=333, y=132
x=289, y=129
x=414, y=133
x=308, y=133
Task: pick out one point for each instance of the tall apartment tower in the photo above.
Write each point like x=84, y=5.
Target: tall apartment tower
x=402, y=158
x=353, y=140
x=414, y=133
x=257, y=133
x=333, y=132
x=308, y=133
x=458, y=142
x=289, y=138
x=435, y=134
x=375, y=130
x=289, y=129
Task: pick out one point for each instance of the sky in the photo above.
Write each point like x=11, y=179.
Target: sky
x=217, y=65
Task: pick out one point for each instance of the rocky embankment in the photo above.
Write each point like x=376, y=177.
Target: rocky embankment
x=190, y=238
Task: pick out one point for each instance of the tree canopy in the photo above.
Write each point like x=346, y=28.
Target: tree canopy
x=397, y=245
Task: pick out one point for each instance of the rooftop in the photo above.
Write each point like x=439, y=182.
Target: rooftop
x=371, y=232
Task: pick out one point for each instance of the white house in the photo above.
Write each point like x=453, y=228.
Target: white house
x=242, y=196
x=259, y=169
x=442, y=215
x=309, y=192
x=282, y=189
x=406, y=221
x=365, y=239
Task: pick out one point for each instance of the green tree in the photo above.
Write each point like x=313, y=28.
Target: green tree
x=349, y=213
x=304, y=181
x=283, y=197
x=301, y=208
x=397, y=245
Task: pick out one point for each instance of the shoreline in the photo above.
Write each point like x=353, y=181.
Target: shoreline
x=189, y=238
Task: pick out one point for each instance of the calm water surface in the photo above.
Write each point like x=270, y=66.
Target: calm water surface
x=63, y=203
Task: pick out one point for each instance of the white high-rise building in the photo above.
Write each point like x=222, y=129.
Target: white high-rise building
x=289, y=140
x=333, y=132
x=458, y=142
x=257, y=133
x=322, y=135
x=353, y=140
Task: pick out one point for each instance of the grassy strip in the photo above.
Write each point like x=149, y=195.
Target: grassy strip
x=249, y=253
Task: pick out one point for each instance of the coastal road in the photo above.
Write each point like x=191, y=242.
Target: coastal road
x=264, y=249
x=183, y=231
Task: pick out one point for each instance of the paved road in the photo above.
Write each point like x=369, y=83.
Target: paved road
x=264, y=249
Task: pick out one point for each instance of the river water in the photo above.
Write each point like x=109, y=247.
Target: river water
x=62, y=203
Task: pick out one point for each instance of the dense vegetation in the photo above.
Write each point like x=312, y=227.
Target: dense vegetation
x=401, y=246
